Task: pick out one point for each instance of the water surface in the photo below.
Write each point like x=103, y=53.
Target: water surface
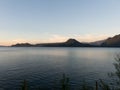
x=43, y=66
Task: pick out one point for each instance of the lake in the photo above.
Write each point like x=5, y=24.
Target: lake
x=43, y=66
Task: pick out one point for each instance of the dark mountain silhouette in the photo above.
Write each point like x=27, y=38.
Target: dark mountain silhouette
x=68, y=43
x=22, y=45
x=112, y=42
x=75, y=43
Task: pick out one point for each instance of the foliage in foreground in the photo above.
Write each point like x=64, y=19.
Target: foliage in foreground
x=65, y=85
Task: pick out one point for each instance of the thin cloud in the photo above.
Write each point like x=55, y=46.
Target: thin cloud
x=91, y=37
x=81, y=38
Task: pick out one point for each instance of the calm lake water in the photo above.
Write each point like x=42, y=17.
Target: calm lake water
x=43, y=67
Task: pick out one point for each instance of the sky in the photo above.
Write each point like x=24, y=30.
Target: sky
x=41, y=21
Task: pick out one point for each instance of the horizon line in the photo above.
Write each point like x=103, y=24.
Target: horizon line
x=58, y=39
x=51, y=42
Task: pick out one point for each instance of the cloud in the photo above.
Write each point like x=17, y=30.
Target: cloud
x=81, y=38
x=57, y=38
x=91, y=37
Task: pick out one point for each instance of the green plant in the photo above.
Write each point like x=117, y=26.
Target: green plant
x=65, y=83
x=104, y=86
x=24, y=86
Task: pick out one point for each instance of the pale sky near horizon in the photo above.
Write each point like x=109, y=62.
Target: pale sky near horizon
x=39, y=21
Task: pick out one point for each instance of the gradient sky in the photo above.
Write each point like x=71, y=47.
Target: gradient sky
x=39, y=21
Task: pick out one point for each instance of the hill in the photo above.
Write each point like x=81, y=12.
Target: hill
x=22, y=45
x=68, y=43
x=112, y=42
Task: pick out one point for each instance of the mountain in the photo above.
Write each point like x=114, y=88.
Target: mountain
x=97, y=43
x=22, y=45
x=75, y=43
x=68, y=43
x=112, y=42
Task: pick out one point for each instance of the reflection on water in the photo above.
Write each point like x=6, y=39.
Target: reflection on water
x=43, y=66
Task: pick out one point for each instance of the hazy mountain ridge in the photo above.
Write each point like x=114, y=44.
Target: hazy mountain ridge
x=22, y=45
x=68, y=43
x=3, y=46
x=110, y=42
x=97, y=43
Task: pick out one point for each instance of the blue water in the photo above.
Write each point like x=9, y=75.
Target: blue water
x=43, y=67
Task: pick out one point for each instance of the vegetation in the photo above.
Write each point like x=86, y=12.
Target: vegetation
x=65, y=85
x=24, y=86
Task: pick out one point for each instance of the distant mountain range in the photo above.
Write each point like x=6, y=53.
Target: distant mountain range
x=110, y=42
x=68, y=43
x=2, y=46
